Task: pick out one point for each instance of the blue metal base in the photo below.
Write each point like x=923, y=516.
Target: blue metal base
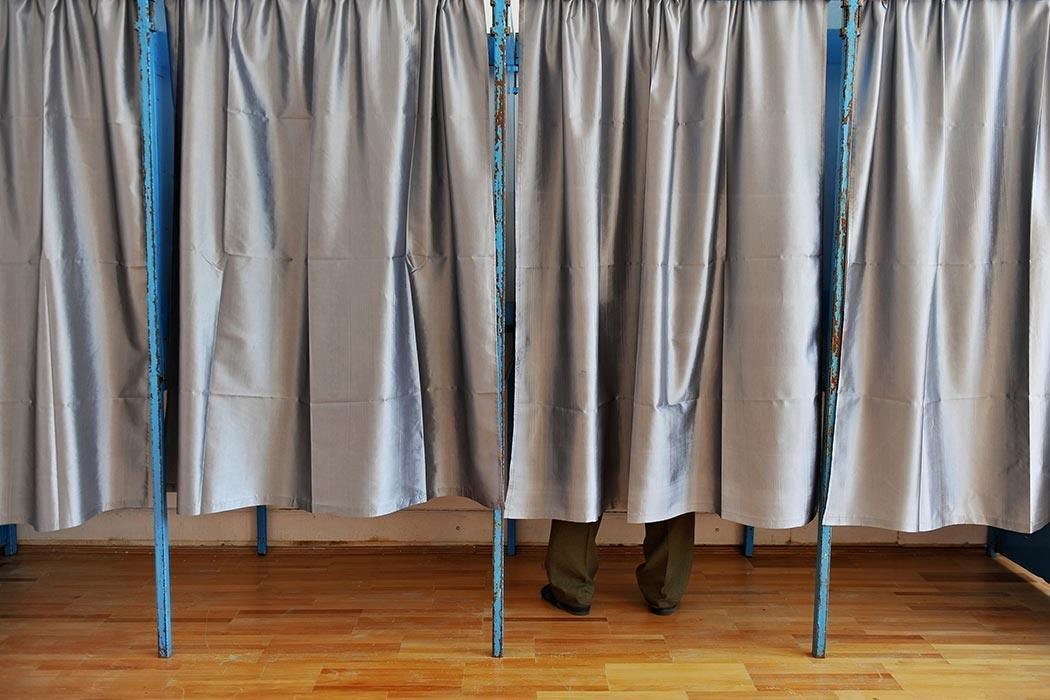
x=497, y=583
x=512, y=537
x=749, y=541
x=9, y=539
x=260, y=530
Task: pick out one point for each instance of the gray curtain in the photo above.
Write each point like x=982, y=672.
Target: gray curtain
x=337, y=307
x=74, y=406
x=668, y=259
x=942, y=411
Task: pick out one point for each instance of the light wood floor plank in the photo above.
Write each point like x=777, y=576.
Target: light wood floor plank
x=382, y=623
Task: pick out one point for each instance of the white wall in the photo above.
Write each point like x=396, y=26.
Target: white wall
x=443, y=521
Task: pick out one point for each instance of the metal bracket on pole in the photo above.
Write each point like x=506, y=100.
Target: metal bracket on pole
x=511, y=60
x=498, y=58
x=850, y=32
x=147, y=35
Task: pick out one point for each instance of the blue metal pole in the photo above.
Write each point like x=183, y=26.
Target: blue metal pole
x=512, y=537
x=822, y=591
x=10, y=539
x=151, y=149
x=850, y=31
x=498, y=42
x=497, y=583
x=749, y=541
x=260, y=530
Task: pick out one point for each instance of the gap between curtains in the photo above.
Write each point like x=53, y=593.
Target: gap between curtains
x=668, y=259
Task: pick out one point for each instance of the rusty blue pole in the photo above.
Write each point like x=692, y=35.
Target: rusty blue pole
x=151, y=185
x=850, y=31
x=749, y=541
x=498, y=44
x=260, y=531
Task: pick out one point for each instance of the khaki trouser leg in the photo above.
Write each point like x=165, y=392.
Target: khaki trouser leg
x=668, y=548
x=572, y=561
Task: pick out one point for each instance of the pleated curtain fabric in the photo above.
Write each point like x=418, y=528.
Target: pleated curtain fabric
x=74, y=402
x=942, y=409
x=668, y=259
x=336, y=254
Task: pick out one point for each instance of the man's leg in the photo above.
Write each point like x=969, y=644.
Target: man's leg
x=572, y=563
x=664, y=576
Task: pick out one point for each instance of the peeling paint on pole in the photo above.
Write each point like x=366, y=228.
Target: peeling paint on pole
x=850, y=33
x=499, y=58
x=150, y=179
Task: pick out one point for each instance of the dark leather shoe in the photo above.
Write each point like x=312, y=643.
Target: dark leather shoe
x=663, y=612
x=547, y=593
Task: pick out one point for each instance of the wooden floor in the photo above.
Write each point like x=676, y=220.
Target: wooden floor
x=904, y=623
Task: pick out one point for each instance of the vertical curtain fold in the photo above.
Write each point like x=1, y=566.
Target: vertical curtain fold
x=74, y=401
x=337, y=308
x=942, y=410
x=668, y=259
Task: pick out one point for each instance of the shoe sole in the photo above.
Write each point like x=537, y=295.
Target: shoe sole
x=663, y=612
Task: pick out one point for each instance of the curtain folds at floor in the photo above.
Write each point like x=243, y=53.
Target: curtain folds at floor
x=668, y=260
x=74, y=399
x=337, y=304
x=942, y=410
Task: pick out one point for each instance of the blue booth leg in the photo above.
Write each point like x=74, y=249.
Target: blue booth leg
x=497, y=583
x=749, y=541
x=260, y=530
x=512, y=537
x=10, y=539
x=992, y=546
x=822, y=585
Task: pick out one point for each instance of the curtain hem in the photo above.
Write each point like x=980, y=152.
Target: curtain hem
x=64, y=524
x=1026, y=527
x=314, y=506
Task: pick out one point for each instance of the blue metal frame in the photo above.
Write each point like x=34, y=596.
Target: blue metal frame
x=850, y=31
x=498, y=48
x=151, y=40
x=260, y=531
x=749, y=541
